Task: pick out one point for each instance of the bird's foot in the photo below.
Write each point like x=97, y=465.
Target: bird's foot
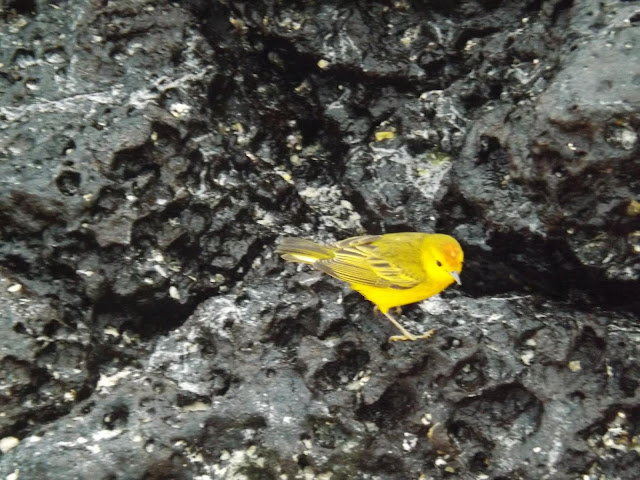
x=412, y=338
x=406, y=336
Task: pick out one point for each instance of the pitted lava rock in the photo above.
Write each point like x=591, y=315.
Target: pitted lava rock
x=153, y=153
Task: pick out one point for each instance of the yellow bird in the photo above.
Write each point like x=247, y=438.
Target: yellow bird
x=389, y=270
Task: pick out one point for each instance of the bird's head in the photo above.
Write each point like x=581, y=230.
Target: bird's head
x=446, y=257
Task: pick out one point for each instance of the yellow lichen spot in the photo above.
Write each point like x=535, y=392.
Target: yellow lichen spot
x=251, y=451
x=410, y=35
x=111, y=331
x=385, y=135
x=196, y=407
x=433, y=429
x=286, y=176
x=436, y=157
x=70, y=396
x=633, y=209
x=238, y=24
x=323, y=64
x=575, y=366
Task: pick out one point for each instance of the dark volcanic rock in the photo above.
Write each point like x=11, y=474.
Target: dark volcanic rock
x=151, y=155
x=563, y=166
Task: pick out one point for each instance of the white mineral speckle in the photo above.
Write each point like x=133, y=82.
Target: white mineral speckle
x=526, y=357
x=179, y=110
x=107, y=381
x=8, y=443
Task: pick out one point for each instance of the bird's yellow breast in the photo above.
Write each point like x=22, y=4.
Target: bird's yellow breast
x=386, y=298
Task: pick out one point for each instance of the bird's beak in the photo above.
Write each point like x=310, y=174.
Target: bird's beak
x=456, y=276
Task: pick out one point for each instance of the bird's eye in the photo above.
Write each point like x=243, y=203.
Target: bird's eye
x=439, y=263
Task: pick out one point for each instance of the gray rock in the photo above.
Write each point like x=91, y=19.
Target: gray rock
x=152, y=154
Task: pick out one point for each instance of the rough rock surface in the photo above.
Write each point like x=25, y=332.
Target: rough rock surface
x=151, y=154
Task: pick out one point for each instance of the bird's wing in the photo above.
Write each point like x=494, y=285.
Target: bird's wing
x=363, y=260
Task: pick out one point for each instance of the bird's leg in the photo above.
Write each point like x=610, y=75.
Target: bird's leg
x=405, y=334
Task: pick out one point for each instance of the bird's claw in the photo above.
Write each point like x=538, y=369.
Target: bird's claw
x=412, y=338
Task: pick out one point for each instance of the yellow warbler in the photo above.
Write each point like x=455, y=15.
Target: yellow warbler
x=389, y=270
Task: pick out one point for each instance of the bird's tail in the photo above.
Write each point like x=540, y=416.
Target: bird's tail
x=302, y=250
